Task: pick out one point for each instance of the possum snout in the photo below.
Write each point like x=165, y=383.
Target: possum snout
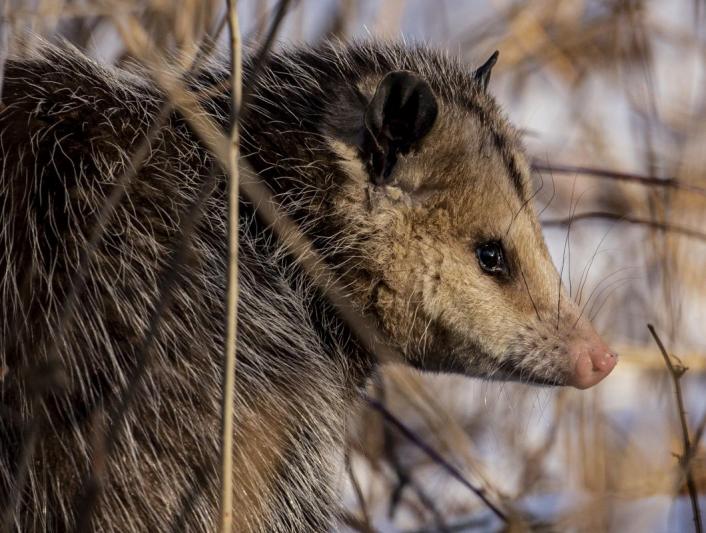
x=591, y=359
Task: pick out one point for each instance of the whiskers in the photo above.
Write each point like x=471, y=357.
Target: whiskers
x=598, y=291
x=529, y=293
x=567, y=241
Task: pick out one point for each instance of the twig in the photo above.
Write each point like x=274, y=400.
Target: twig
x=366, y=524
x=355, y=523
x=695, y=443
x=698, y=434
x=676, y=372
x=93, y=486
x=649, y=181
x=592, y=215
x=404, y=477
x=226, y=519
x=190, y=497
x=260, y=60
x=435, y=456
x=475, y=523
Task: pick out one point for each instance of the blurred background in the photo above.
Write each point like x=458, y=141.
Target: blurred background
x=610, y=96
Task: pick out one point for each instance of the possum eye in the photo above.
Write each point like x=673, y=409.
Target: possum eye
x=491, y=258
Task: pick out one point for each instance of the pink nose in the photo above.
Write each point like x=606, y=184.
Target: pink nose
x=593, y=361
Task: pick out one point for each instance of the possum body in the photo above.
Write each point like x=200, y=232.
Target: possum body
x=396, y=163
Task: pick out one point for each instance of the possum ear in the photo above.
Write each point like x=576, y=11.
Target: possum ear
x=400, y=114
x=482, y=74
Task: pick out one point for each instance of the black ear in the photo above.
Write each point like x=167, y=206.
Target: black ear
x=402, y=111
x=482, y=74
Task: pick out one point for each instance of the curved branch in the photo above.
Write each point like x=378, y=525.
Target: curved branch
x=649, y=181
x=653, y=224
x=434, y=455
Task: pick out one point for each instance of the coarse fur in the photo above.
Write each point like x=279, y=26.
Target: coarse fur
x=402, y=247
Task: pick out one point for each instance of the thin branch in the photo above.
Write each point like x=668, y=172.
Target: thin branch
x=190, y=497
x=648, y=181
x=226, y=518
x=366, y=524
x=676, y=372
x=475, y=523
x=92, y=488
x=653, y=224
x=404, y=476
x=260, y=60
x=695, y=443
x=355, y=523
x=434, y=455
x=405, y=479
x=698, y=434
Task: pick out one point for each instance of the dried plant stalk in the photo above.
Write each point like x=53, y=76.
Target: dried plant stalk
x=226, y=516
x=676, y=372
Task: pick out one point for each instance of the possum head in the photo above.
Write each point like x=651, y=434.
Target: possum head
x=451, y=252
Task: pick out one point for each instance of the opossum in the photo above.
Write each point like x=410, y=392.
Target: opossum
x=397, y=164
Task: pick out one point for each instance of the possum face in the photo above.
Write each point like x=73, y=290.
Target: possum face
x=453, y=259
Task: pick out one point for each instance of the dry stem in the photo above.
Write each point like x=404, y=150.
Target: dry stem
x=649, y=181
x=676, y=372
x=652, y=224
x=226, y=518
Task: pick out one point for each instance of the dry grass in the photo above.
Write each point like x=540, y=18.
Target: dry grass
x=612, y=100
